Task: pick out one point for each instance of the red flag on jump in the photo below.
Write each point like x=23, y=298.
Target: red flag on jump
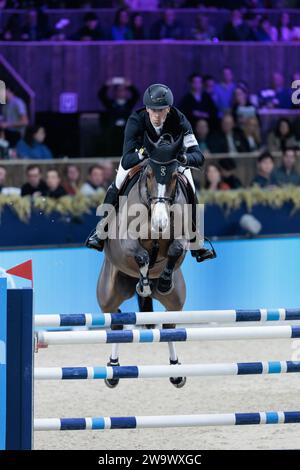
x=22, y=270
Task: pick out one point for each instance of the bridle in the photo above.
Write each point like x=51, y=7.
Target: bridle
x=152, y=200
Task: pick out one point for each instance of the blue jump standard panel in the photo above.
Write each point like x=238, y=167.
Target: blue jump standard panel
x=19, y=349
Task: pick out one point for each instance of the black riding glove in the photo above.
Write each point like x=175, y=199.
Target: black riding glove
x=143, y=153
x=182, y=158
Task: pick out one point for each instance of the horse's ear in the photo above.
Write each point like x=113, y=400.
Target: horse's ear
x=150, y=142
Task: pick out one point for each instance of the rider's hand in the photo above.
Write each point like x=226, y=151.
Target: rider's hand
x=143, y=153
x=182, y=158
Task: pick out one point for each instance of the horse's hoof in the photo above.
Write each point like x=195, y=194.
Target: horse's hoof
x=143, y=291
x=111, y=383
x=164, y=289
x=178, y=382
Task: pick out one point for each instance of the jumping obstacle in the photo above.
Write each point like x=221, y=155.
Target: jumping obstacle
x=106, y=320
x=168, y=335
x=182, y=370
x=137, y=422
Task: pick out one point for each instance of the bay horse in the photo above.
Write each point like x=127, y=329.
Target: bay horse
x=146, y=264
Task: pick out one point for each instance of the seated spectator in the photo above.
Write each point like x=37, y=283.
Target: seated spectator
x=54, y=187
x=266, y=31
x=224, y=90
x=118, y=97
x=228, y=168
x=121, y=30
x=12, y=29
x=109, y=172
x=203, y=30
x=32, y=145
x=252, y=133
x=287, y=173
x=252, y=22
x=209, y=86
x=197, y=104
x=36, y=26
x=3, y=174
x=242, y=108
x=202, y=134
x=277, y=96
x=35, y=185
x=4, y=146
x=95, y=182
x=282, y=136
x=90, y=31
x=284, y=28
x=15, y=118
x=213, y=178
x=230, y=139
x=235, y=29
x=72, y=183
x=4, y=189
x=137, y=28
x=168, y=27
x=265, y=166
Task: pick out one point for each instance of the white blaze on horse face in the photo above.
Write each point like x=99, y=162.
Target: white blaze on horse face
x=160, y=215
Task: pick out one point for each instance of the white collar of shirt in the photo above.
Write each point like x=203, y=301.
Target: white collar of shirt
x=158, y=129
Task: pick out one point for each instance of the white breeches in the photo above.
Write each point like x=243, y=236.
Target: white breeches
x=121, y=175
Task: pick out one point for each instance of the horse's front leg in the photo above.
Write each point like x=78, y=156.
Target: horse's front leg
x=165, y=282
x=142, y=259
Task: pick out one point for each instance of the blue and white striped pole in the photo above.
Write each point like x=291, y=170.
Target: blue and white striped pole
x=137, y=422
x=157, y=371
x=106, y=320
x=167, y=335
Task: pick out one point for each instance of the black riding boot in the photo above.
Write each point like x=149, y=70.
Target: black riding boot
x=201, y=254
x=93, y=240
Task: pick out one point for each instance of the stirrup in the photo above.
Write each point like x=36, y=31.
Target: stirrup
x=203, y=254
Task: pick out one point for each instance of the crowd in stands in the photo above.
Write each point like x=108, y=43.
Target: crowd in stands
x=128, y=24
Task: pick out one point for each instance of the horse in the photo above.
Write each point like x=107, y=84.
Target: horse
x=148, y=264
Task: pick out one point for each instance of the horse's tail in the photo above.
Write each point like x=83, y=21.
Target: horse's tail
x=145, y=304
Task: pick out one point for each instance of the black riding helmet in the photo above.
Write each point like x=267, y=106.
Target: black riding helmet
x=158, y=96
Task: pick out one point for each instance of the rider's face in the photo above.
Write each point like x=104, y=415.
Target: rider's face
x=158, y=116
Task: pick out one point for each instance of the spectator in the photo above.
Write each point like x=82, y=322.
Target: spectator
x=202, y=134
x=287, y=173
x=282, y=136
x=203, y=30
x=95, y=182
x=4, y=146
x=228, y=168
x=277, y=96
x=118, y=97
x=242, y=109
x=209, y=86
x=35, y=185
x=3, y=174
x=213, y=178
x=121, y=30
x=12, y=30
x=72, y=183
x=230, y=139
x=109, y=172
x=15, y=118
x=36, y=26
x=252, y=22
x=266, y=31
x=224, y=90
x=168, y=27
x=54, y=187
x=138, y=30
x=284, y=29
x=235, y=29
x=91, y=30
x=197, y=104
x=265, y=166
x=252, y=133
x=32, y=145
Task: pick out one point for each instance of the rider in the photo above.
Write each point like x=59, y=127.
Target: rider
x=158, y=116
